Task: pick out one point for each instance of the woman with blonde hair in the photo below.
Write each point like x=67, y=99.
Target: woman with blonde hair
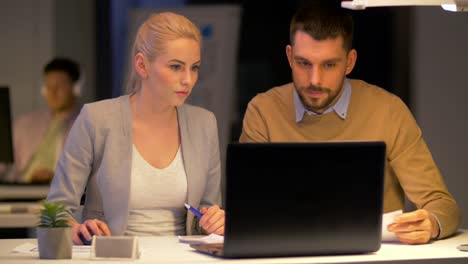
x=142, y=156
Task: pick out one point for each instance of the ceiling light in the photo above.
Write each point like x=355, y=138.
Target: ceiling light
x=449, y=5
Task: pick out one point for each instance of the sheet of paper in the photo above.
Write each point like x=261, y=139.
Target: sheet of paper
x=211, y=239
x=26, y=248
x=386, y=220
x=31, y=249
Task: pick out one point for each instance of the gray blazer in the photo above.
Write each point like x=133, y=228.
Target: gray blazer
x=98, y=155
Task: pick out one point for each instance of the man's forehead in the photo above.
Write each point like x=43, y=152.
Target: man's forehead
x=57, y=75
x=318, y=50
x=302, y=37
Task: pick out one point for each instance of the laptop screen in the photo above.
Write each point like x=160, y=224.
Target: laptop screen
x=288, y=199
x=6, y=149
x=11, y=189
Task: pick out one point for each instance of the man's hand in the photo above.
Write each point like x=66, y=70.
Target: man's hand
x=212, y=220
x=416, y=227
x=87, y=229
x=42, y=175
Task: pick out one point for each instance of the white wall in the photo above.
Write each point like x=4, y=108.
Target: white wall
x=440, y=93
x=32, y=33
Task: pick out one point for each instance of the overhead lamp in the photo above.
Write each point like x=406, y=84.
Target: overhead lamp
x=449, y=5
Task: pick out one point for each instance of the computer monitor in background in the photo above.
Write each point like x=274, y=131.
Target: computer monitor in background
x=19, y=201
x=6, y=138
x=11, y=190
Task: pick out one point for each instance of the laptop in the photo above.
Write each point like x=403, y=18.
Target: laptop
x=302, y=199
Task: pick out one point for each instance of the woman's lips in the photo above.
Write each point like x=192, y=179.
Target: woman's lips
x=182, y=93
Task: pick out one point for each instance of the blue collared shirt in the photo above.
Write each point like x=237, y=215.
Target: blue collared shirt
x=340, y=108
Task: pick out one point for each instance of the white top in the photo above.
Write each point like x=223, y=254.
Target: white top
x=157, y=197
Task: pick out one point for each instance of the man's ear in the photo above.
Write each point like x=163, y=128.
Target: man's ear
x=351, y=61
x=140, y=65
x=289, y=54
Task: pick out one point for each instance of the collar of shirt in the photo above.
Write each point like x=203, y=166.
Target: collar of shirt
x=340, y=108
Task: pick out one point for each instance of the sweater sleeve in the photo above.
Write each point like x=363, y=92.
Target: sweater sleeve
x=254, y=128
x=417, y=172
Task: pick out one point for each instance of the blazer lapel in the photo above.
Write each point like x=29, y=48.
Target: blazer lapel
x=189, y=156
x=121, y=178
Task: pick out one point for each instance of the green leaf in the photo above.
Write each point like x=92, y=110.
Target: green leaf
x=54, y=214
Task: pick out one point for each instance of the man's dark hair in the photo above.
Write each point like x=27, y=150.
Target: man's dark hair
x=323, y=21
x=65, y=65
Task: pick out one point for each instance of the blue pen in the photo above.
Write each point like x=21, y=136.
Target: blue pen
x=193, y=210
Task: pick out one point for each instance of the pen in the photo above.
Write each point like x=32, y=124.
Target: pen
x=193, y=210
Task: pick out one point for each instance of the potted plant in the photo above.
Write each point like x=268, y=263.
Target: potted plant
x=54, y=234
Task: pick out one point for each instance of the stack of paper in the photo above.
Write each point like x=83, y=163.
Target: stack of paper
x=211, y=239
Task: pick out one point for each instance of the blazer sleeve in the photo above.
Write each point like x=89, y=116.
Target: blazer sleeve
x=75, y=163
x=212, y=194
x=212, y=189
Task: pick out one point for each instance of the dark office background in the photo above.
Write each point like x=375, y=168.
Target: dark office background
x=415, y=52
x=381, y=39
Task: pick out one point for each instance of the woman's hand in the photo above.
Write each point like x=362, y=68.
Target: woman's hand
x=212, y=221
x=83, y=233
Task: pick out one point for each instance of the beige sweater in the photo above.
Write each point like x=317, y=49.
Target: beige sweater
x=373, y=114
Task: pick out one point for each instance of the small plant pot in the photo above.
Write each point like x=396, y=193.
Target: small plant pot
x=54, y=242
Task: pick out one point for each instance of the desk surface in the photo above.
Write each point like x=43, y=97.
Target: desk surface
x=169, y=250
x=23, y=191
x=10, y=193
x=26, y=215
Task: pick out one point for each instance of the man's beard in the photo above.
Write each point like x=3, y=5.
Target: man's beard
x=313, y=104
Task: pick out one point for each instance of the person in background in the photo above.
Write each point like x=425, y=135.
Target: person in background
x=38, y=136
x=142, y=156
x=322, y=104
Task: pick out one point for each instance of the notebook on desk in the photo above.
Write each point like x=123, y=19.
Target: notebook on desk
x=298, y=199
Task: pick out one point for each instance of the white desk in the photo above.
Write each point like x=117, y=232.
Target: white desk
x=169, y=250
x=19, y=191
x=26, y=216
x=18, y=220
x=10, y=193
